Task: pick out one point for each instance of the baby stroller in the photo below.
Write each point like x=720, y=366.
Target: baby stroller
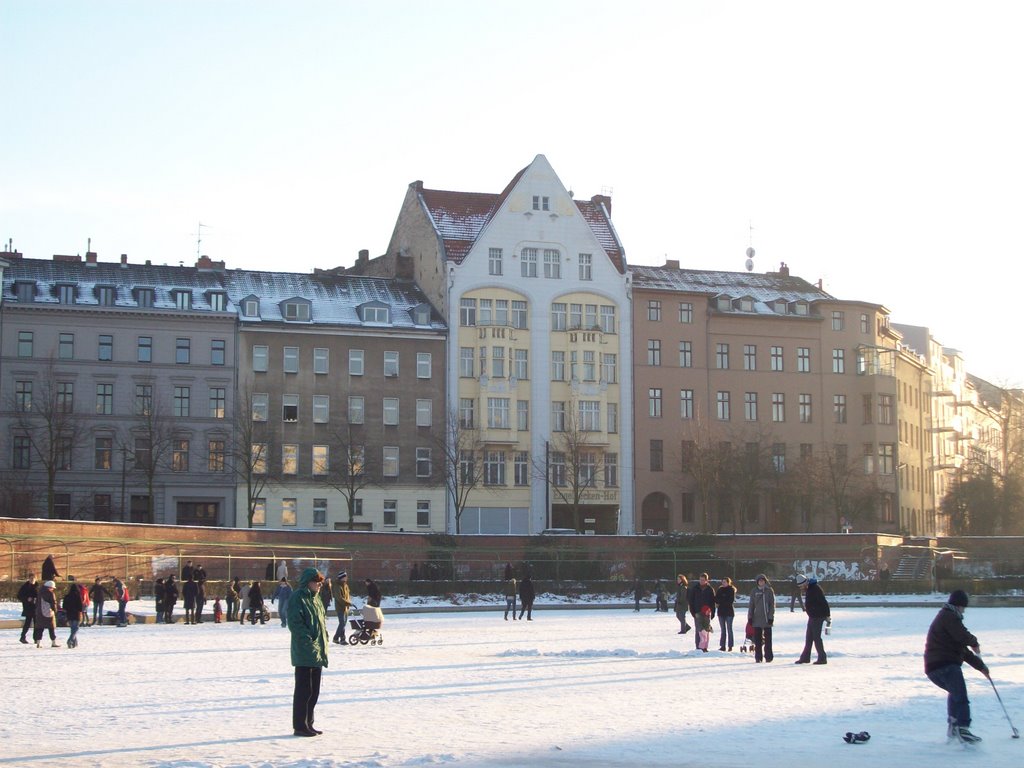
x=748, y=638
x=367, y=629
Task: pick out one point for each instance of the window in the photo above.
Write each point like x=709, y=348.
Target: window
x=65, y=397
x=654, y=402
x=466, y=362
x=686, y=403
x=23, y=396
x=803, y=360
x=259, y=511
x=390, y=364
x=869, y=459
x=181, y=401
x=320, y=460
x=519, y=314
x=657, y=452
x=653, y=352
x=540, y=203
x=106, y=348
x=806, y=451
x=467, y=312
x=142, y=454
x=144, y=297
x=467, y=467
x=498, y=412
x=686, y=312
x=776, y=359
x=424, y=413
x=391, y=512
x=143, y=399
x=62, y=506
x=289, y=459
x=321, y=358
x=260, y=406
x=321, y=409
x=590, y=415
x=886, y=458
x=494, y=468
x=356, y=460
x=218, y=301
x=779, y=457
x=521, y=468
x=528, y=262
x=144, y=350
x=722, y=356
x=299, y=310
x=182, y=351
x=22, y=452
x=520, y=364
x=182, y=299
x=66, y=346
x=423, y=365
x=289, y=511
x=865, y=325
x=586, y=261
x=838, y=361
x=558, y=416
x=423, y=464
x=390, y=411
x=685, y=354
x=24, y=343
x=356, y=409
x=613, y=418
x=839, y=408
x=867, y=403
x=885, y=409
x=575, y=316
x=558, y=476
x=291, y=359
x=105, y=399
x=749, y=357
x=607, y=318
x=838, y=321
x=558, y=316
x=467, y=413
x=654, y=310
x=497, y=361
x=258, y=458
x=611, y=470
x=804, y=408
x=609, y=368
x=217, y=348
x=319, y=511
x=390, y=465
x=103, y=453
x=179, y=455
x=552, y=264
x=522, y=415
x=289, y=408
x=355, y=362
x=218, y=400
x=494, y=261
x=557, y=366
x=586, y=470
x=722, y=400
x=260, y=358
x=778, y=406
x=750, y=406
x=216, y=451
x=101, y=506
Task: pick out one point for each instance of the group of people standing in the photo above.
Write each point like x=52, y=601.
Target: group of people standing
x=524, y=590
x=39, y=607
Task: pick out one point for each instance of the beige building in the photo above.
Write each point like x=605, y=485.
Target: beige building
x=762, y=403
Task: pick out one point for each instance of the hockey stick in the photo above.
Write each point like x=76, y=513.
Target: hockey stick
x=1016, y=733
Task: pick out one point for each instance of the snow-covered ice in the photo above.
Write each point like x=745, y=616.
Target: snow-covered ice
x=572, y=687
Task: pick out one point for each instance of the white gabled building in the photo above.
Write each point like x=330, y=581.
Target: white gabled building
x=536, y=292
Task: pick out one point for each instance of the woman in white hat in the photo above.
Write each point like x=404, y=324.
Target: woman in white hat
x=46, y=615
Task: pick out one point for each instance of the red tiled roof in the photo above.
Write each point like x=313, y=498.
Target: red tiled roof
x=459, y=217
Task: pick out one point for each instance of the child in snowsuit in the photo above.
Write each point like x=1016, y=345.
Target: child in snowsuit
x=218, y=612
x=704, y=625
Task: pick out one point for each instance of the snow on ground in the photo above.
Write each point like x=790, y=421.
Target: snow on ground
x=603, y=688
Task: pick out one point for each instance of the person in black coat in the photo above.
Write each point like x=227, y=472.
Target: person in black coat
x=72, y=605
x=946, y=648
x=526, y=597
x=50, y=569
x=373, y=595
x=27, y=594
x=700, y=594
x=158, y=598
x=638, y=595
x=816, y=607
x=725, y=600
x=189, y=590
x=170, y=598
x=200, y=595
x=256, y=603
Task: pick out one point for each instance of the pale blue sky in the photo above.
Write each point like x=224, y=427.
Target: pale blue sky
x=874, y=145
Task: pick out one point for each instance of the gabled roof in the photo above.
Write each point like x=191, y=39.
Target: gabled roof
x=459, y=217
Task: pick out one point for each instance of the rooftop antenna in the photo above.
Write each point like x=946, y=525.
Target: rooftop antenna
x=199, y=238
x=750, y=248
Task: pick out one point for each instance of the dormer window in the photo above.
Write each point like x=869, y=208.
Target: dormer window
x=421, y=314
x=182, y=299
x=251, y=307
x=780, y=307
x=218, y=301
x=746, y=304
x=801, y=308
x=375, y=312
x=105, y=295
x=297, y=311
x=724, y=303
x=144, y=297
x=25, y=290
x=66, y=294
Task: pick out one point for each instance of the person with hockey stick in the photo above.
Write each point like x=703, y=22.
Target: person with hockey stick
x=946, y=648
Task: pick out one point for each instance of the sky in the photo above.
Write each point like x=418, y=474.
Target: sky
x=875, y=146
x=594, y=688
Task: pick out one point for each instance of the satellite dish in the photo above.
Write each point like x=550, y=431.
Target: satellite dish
x=750, y=253
x=750, y=265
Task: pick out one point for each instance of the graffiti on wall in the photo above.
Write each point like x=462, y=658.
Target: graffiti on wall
x=830, y=570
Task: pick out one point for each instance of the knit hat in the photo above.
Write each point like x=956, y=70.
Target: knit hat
x=341, y=575
x=51, y=585
x=958, y=598
x=812, y=581
x=800, y=579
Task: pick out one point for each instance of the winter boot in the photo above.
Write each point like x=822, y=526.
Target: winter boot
x=55, y=644
x=964, y=735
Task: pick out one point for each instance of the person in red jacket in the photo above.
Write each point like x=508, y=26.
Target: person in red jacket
x=946, y=648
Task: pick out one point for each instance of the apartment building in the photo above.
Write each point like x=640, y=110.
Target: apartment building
x=534, y=286
x=762, y=403
x=116, y=384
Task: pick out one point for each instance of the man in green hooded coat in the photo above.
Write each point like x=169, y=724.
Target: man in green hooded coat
x=308, y=625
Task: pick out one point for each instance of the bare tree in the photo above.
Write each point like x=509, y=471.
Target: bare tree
x=462, y=457
x=251, y=449
x=574, y=463
x=47, y=429
x=702, y=464
x=746, y=474
x=350, y=472
x=153, y=433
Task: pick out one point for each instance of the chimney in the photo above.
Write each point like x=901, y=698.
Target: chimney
x=90, y=258
x=124, y=259
x=66, y=259
x=604, y=200
x=784, y=269
x=205, y=262
x=9, y=254
x=671, y=263
x=364, y=257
